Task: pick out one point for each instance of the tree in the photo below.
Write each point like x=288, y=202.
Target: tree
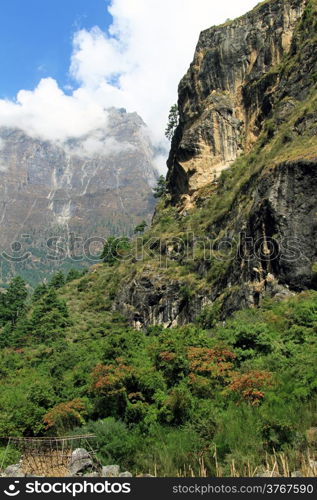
x=161, y=188
x=50, y=317
x=173, y=120
x=65, y=416
x=140, y=228
x=39, y=291
x=115, y=249
x=13, y=301
x=73, y=274
x=58, y=280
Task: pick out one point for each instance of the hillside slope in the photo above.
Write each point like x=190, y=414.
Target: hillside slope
x=231, y=232
x=194, y=351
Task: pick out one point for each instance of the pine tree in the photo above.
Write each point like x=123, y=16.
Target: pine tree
x=115, y=249
x=58, y=280
x=161, y=188
x=13, y=301
x=173, y=120
x=140, y=228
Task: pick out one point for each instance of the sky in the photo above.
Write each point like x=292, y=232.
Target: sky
x=64, y=62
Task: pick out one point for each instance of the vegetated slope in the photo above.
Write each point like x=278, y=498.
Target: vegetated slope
x=228, y=239
x=55, y=196
x=211, y=394
x=164, y=400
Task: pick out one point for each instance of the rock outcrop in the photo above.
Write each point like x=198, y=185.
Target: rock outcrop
x=227, y=93
x=242, y=172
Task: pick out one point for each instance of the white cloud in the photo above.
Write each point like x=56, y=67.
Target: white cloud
x=136, y=65
x=97, y=143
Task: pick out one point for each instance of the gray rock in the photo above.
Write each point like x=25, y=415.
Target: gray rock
x=110, y=471
x=125, y=474
x=14, y=471
x=81, y=461
x=79, y=454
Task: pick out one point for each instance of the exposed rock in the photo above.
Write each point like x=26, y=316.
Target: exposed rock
x=68, y=190
x=247, y=78
x=226, y=94
x=150, y=300
x=125, y=474
x=14, y=471
x=110, y=471
x=81, y=462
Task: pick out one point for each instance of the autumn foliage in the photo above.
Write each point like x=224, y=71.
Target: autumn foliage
x=65, y=416
x=250, y=386
x=110, y=379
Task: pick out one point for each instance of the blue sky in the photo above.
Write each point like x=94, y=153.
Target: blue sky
x=36, y=39
x=63, y=63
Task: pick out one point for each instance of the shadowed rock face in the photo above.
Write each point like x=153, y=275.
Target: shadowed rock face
x=89, y=187
x=226, y=93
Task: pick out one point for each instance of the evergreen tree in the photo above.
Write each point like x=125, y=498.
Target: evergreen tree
x=13, y=300
x=161, y=188
x=50, y=317
x=173, y=120
x=115, y=249
x=39, y=291
x=73, y=274
x=140, y=228
x=58, y=280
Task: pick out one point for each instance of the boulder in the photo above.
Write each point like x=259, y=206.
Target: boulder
x=125, y=474
x=81, y=462
x=110, y=471
x=14, y=471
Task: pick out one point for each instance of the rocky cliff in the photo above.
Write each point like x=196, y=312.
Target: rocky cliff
x=83, y=188
x=227, y=93
x=239, y=222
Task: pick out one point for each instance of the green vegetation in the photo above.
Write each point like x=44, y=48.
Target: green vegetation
x=173, y=119
x=115, y=249
x=160, y=189
x=207, y=398
x=162, y=399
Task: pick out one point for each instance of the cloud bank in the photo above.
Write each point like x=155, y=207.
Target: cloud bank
x=136, y=64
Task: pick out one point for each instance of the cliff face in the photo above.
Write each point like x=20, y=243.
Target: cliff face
x=226, y=94
x=242, y=174
x=94, y=186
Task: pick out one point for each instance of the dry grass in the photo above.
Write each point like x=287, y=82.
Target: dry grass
x=54, y=464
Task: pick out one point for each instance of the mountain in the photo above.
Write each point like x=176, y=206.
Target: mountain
x=191, y=349
x=54, y=196
x=239, y=223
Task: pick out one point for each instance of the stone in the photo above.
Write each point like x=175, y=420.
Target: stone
x=110, y=471
x=125, y=474
x=81, y=461
x=14, y=471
